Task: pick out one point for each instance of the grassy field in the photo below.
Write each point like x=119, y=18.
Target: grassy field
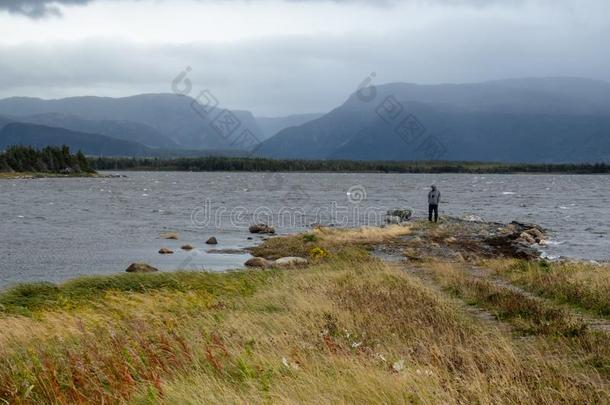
x=347, y=329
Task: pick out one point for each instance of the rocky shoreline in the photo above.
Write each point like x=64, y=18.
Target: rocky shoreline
x=451, y=239
x=464, y=240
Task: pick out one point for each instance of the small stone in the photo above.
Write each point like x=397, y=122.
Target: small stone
x=187, y=247
x=398, y=366
x=212, y=241
x=170, y=235
x=140, y=268
x=166, y=251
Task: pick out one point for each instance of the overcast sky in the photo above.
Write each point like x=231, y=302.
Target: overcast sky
x=279, y=57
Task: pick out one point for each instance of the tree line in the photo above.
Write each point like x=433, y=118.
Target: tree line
x=217, y=163
x=51, y=159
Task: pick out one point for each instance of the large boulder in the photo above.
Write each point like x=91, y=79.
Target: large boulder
x=140, y=268
x=397, y=216
x=259, y=262
x=261, y=228
x=290, y=262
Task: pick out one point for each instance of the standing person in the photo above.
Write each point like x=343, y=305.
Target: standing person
x=434, y=197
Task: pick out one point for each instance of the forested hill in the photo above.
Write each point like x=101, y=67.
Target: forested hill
x=51, y=159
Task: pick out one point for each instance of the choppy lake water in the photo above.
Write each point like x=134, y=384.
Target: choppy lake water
x=55, y=229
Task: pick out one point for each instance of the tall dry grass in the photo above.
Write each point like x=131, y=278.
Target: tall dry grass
x=349, y=330
x=529, y=315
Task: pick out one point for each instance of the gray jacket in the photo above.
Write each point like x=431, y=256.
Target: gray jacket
x=434, y=196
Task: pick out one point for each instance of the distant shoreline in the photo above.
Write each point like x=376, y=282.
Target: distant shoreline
x=233, y=164
x=40, y=175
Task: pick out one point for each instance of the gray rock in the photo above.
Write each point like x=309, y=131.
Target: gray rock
x=212, y=241
x=261, y=228
x=140, y=268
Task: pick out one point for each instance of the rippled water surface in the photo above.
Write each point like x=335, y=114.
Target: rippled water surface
x=55, y=229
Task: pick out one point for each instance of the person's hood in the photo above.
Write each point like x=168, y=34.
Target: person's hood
x=433, y=188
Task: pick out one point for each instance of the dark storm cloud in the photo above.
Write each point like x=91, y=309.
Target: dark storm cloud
x=37, y=8
x=45, y=8
x=314, y=71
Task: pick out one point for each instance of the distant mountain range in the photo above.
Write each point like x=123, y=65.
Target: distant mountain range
x=521, y=120
x=157, y=121
x=518, y=120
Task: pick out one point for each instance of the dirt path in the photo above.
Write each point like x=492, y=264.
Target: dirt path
x=464, y=243
x=595, y=324
x=471, y=310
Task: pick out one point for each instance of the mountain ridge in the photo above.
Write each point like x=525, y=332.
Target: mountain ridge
x=514, y=121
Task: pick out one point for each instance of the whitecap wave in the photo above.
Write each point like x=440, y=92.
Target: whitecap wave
x=555, y=242
x=547, y=256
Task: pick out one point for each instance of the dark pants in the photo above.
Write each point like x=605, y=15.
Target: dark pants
x=433, y=208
